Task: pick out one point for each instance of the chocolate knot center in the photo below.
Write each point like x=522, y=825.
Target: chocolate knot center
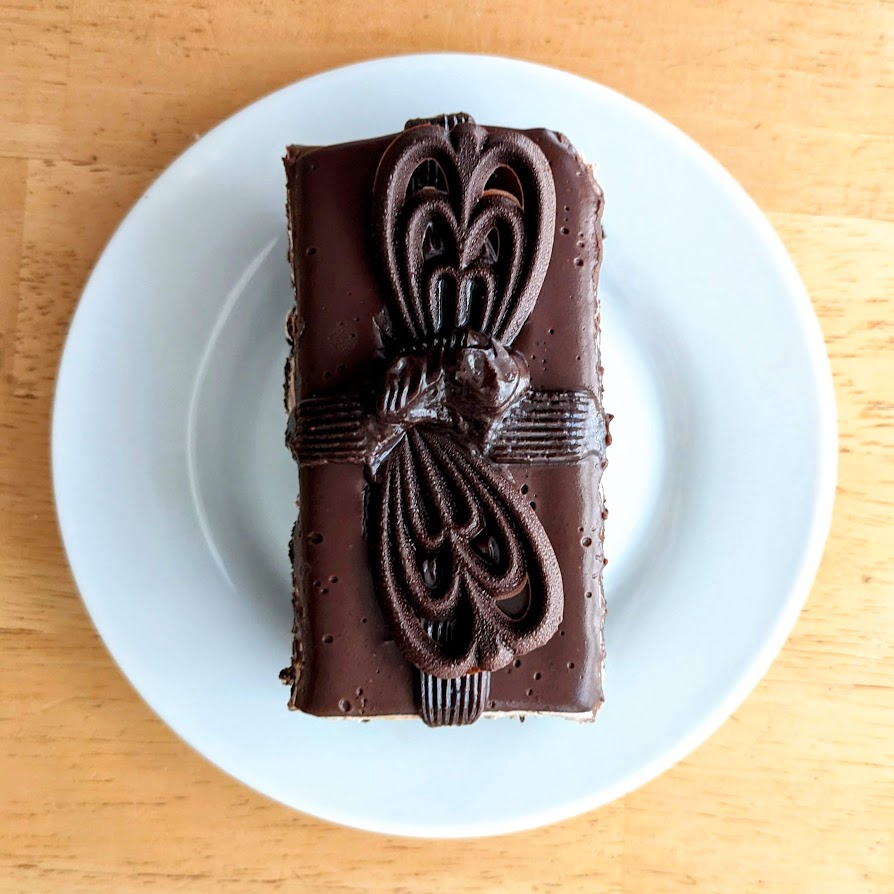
x=467, y=382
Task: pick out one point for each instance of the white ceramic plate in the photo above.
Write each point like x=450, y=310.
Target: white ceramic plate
x=176, y=496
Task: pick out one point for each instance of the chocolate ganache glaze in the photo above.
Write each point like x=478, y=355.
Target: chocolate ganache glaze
x=466, y=577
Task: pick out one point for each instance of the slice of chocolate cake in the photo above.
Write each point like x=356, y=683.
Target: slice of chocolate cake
x=444, y=399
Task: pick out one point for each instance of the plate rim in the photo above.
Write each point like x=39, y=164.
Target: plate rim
x=827, y=456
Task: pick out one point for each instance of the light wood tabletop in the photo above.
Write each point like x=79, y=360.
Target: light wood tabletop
x=795, y=793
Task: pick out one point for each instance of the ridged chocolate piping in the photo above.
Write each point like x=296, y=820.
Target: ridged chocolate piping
x=452, y=701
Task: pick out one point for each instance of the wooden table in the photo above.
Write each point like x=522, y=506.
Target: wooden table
x=795, y=793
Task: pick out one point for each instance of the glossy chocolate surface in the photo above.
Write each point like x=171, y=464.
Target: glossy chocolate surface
x=348, y=661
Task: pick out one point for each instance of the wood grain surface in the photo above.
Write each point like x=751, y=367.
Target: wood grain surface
x=796, y=792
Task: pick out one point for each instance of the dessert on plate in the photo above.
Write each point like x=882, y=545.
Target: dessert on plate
x=444, y=401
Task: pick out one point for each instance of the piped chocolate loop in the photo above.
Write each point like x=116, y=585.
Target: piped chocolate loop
x=434, y=497
x=464, y=206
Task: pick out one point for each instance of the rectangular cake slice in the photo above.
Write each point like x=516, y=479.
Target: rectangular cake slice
x=444, y=399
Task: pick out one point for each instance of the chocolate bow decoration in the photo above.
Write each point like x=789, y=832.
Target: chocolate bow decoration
x=464, y=223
